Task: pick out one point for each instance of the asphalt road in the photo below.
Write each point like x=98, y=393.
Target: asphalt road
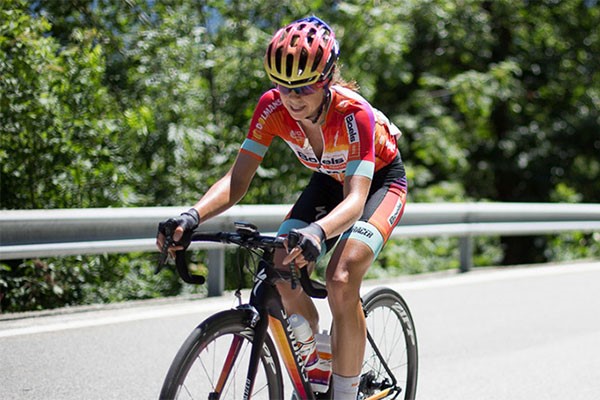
x=521, y=333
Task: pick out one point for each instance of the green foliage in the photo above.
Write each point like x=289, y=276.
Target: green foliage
x=113, y=103
x=59, y=132
x=573, y=246
x=417, y=256
x=58, y=282
x=489, y=96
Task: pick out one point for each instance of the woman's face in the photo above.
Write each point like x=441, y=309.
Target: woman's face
x=302, y=106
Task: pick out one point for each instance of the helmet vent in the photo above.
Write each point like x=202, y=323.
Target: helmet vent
x=289, y=64
x=295, y=40
x=303, y=61
x=318, y=58
x=310, y=36
x=268, y=59
x=278, y=54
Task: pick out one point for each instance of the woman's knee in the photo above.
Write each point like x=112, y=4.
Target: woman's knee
x=343, y=286
x=344, y=276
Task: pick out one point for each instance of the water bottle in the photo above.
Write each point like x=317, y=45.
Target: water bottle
x=320, y=375
x=305, y=341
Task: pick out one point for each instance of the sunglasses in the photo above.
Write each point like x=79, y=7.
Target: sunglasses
x=301, y=91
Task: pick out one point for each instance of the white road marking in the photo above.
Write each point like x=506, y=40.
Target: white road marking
x=498, y=274
x=96, y=318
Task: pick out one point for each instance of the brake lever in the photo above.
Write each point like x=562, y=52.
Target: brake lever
x=294, y=275
x=312, y=288
x=164, y=252
x=293, y=239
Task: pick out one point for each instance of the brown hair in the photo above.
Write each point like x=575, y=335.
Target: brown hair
x=338, y=80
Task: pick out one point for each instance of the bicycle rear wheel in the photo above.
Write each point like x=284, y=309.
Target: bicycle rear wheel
x=391, y=359
x=213, y=362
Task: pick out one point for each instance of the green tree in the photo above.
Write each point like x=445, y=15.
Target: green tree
x=177, y=70
x=121, y=103
x=59, y=144
x=198, y=76
x=498, y=100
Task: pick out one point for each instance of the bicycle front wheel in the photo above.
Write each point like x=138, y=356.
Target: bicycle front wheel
x=391, y=359
x=213, y=362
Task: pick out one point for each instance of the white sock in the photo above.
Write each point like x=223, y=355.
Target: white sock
x=345, y=388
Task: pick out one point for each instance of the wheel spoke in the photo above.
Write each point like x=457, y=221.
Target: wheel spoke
x=393, y=359
x=214, y=362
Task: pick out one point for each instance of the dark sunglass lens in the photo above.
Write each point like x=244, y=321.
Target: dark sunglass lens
x=302, y=90
x=284, y=90
x=307, y=89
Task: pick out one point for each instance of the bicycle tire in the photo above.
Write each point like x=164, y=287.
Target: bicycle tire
x=391, y=327
x=195, y=369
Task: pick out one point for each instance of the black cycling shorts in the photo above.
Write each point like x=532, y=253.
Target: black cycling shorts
x=382, y=211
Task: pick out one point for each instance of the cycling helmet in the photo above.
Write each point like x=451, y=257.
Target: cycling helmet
x=302, y=53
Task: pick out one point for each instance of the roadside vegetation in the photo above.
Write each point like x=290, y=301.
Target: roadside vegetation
x=127, y=104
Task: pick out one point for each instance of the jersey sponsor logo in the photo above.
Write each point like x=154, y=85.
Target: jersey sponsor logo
x=266, y=113
x=391, y=147
x=304, y=157
x=386, y=141
x=257, y=135
x=343, y=104
x=298, y=136
x=321, y=211
x=352, y=128
x=334, y=159
x=361, y=230
x=333, y=173
x=328, y=160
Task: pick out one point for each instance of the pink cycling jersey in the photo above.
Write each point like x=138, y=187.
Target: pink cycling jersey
x=357, y=139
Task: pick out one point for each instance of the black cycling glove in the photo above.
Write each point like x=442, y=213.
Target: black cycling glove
x=311, y=247
x=188, y=220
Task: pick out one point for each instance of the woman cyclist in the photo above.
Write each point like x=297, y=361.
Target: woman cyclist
x=354, y=198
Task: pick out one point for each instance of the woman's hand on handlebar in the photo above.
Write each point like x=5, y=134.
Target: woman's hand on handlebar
x=295, y=255
x=178, y=231
x=305, y=245
x=161, y=238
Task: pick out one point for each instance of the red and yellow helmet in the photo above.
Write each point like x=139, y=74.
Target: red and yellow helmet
x=302, y=53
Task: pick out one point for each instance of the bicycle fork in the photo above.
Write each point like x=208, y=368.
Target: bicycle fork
x=260, y=332
x=272, y=314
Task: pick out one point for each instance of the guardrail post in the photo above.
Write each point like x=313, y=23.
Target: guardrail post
x=466, y=253
x=216, y=272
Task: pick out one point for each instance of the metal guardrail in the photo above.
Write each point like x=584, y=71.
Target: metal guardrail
x=45, y=233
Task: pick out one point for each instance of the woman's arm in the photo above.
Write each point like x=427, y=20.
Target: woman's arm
x=356, y=190
x=346, y=213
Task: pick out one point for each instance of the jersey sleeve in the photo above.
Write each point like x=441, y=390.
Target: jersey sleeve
x=262, y=126
x=360, y=128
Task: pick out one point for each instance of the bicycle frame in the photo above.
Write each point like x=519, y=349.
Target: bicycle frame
x=266, y=301
x=265, y=311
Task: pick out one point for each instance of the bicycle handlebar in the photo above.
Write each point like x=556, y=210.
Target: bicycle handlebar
x=168, y=227
x=183, y=272
x=247, y=236
x=319, y=291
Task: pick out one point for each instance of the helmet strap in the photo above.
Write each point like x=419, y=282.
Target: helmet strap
x=324, y=103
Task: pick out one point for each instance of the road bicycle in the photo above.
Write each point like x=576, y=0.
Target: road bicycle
x=239, y=353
